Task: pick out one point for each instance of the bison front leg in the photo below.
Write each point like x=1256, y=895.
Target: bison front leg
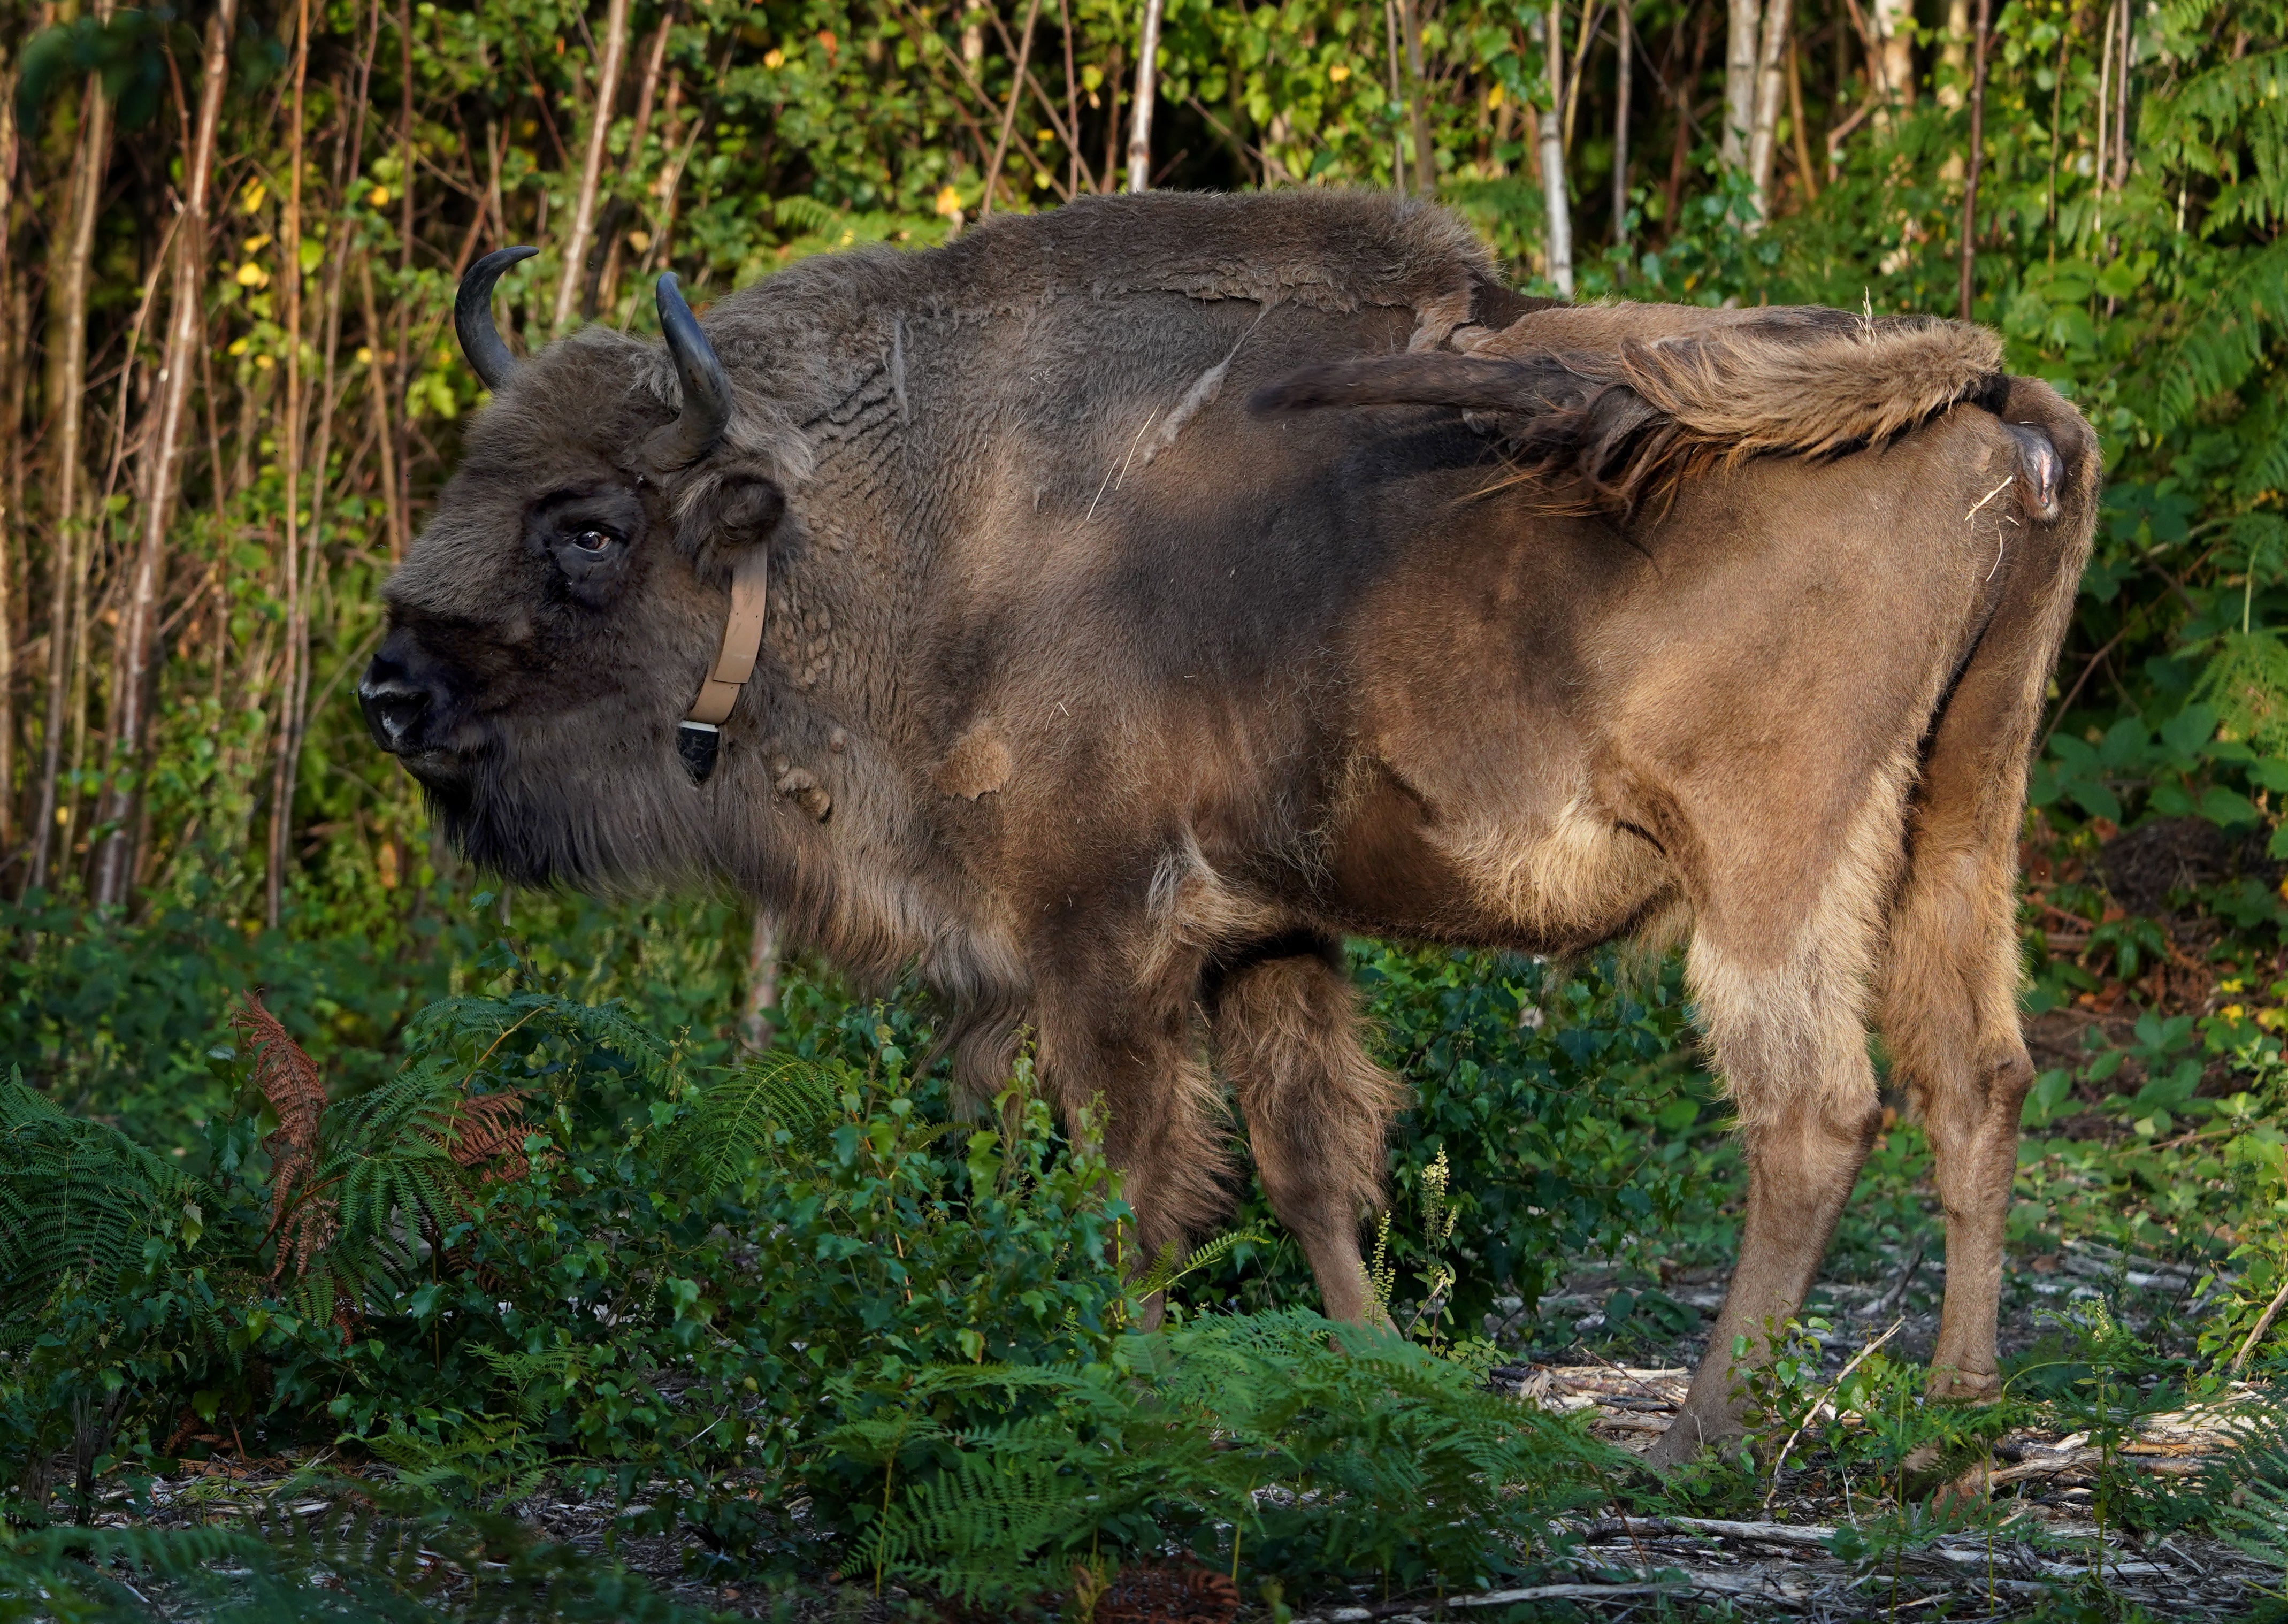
x=1286, y=1032
x=1793, y=1045
x=1140, y=1063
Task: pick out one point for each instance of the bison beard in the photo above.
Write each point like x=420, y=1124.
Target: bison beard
x=1112, y=705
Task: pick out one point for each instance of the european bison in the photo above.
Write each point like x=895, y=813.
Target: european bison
x=1162, y=588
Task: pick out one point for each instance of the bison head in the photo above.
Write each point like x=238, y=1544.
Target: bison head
x=558, y=616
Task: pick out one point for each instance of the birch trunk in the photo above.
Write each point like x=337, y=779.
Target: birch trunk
x=1741, y=18
x=1552, y=156
x=163, y=451
x=91, y=159
x=575, y=275
x=755, y=1026
x=1771, y=87
x=1139, y=128
x=1894, y=23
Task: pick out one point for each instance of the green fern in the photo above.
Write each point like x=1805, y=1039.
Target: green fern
x=75, y=1198
x=727, y=1126
x=2246, y=681
x=1168, y=1268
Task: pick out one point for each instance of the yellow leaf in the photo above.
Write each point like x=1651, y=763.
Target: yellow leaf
x=252, y=275
x=1338, y=73
x=379, y=197
x=949, y=203
x=775, y=58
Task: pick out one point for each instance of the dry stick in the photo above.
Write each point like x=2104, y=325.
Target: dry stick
x=1834, y=1388
x=646, y=98
x=91, y=159
x=298, y=623
x=186, y=337
x=592, y=166
x=1139, y=129
x=2263, y=1324
x=1977, y=156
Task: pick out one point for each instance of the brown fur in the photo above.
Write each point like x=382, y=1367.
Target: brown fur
x=1108, y=707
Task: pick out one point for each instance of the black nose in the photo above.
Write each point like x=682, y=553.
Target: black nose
x=397, y=702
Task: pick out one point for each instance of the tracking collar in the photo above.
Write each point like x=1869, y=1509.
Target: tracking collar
x=700, y=735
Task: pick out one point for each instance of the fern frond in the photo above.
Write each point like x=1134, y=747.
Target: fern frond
x=735, y=1120
x=1167, y=1269
x=291, y=1082
x=75, y=1198
x=2247, y=683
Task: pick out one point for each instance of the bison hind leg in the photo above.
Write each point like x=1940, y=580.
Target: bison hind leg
x=1287, y=1038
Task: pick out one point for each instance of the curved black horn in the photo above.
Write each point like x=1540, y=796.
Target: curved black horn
x=706, y=392
x=473, y=317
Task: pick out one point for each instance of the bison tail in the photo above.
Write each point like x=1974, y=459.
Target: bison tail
x=1640, y=418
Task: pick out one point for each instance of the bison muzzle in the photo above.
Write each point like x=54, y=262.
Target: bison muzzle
x=1136, y=598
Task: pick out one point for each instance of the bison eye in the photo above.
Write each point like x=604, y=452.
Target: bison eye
x=593, y=541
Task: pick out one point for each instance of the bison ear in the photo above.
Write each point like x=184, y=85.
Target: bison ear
x=737, y=509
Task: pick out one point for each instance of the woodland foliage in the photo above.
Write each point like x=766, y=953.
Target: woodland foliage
x=488, y=1214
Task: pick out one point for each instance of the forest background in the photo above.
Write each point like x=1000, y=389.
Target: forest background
x=229, y=238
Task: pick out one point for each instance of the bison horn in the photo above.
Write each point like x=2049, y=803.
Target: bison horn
x=706, y=391
x=473, y=317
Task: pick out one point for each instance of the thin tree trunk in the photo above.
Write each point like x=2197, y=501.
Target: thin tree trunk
x=1798, y=129
x=1139, y=128
x=1075, y=167
x=1394, y=55
x=1954, y=54
x=1418, y=116
x=185, y=335
x=2104, y=106
x=1583, y=36
x=298, y=612
x=575, y=274
x=68, y=553
x=14, y=362
x=2121, y=99
x=1741, y=18
x=1009, y=113
x=1763, y=137
x=755, y=1027
x=1976, y=159
x=1895, y=22
x=1623, y=72
x=1552, y=156
x=385, y=433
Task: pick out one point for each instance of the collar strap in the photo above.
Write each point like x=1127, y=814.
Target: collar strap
x=698, y=738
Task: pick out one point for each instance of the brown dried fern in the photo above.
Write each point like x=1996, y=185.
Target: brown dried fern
x=489, y=1128
x=291, y=1082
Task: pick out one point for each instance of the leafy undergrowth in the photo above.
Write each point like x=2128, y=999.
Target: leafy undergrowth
x=555, y=1305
